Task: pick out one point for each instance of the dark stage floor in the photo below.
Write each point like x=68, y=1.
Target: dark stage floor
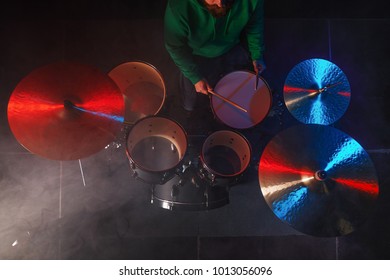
x=46, y=212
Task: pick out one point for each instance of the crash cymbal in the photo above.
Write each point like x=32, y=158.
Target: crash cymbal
x=318, y=180
x=316, y=91
x=65, y=111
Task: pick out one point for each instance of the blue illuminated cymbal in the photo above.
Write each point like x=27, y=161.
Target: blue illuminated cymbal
x=318, y=180
x=316, y=91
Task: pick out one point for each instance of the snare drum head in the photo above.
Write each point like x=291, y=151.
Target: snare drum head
x=239, y=87
x=143, y=88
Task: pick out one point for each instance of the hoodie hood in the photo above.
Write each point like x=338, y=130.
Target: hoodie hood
x=190, y=29
x=225, y=19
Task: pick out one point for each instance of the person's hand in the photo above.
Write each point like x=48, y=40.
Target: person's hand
x=203, y=87
x=259, y=66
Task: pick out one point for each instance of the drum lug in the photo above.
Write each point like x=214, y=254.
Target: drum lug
x=132, y=165
x=152, y=196
x=175, y=191
x=186, y=166
x=193, y=182
x=163, y=178
x=201, y=173
x=206, y=195
x=183, y=168
x=176, y=188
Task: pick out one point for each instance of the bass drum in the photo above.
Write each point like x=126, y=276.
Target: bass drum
x=186, y=192
x=239, y=87
x=156, y=147
x=143, y=89
x=224, y=157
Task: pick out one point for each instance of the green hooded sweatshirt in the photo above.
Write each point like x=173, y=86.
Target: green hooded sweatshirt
x=190, y=29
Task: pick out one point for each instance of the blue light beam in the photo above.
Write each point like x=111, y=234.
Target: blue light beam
x=103, y=115
x=289, y=203
x=349, y=150
x=317, y=113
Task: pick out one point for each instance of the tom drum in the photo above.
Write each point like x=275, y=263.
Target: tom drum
x=224, y=157
x=143, y=88
x=155, y=147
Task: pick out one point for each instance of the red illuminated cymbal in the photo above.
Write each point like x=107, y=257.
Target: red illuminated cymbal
x=65, y=111
x=318, y=180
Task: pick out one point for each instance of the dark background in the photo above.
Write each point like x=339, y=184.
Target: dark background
x=47, y=210
x=149, y=9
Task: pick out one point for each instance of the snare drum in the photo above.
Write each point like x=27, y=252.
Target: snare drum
x=185, y=191
x=224, y=158
x=155, y=147
x=239, y=87
x=143, y=88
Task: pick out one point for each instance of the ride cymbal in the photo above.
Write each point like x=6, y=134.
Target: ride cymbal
x=318, y=180
x=65, y=111
x=316, y=91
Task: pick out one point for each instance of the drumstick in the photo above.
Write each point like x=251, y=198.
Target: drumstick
x=227, y=100
x=257, y=80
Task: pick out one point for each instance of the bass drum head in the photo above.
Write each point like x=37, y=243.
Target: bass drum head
x=143, y=88
x=226, y=154
x=156, y=144
x=239, y=87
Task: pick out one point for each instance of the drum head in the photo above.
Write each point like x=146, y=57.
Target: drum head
x=156, y=144
x=143, y=88
x=226, y=153
x=239, y=87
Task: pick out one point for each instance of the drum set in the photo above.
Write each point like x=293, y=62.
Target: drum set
x=68, y=111
x=75, y=111
x=157, y=146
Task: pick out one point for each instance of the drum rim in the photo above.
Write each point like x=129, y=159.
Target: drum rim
x=269, y=108
x=158, y=72
x=225, y=175
x=176, y=205
x=163, y=170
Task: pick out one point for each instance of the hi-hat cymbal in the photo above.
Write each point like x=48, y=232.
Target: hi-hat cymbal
x=65, y=111
x=318, y=180
x=316, y=91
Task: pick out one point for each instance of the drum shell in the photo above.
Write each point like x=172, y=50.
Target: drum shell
x=188, y=193
x=143, y=88
x=230, y=139
x=212, y=179
x=159, y=127
x=150, y=177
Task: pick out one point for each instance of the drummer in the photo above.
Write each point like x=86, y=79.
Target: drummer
x=209, y=38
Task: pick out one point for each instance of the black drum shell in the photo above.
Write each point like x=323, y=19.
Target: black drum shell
x=189, y=193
